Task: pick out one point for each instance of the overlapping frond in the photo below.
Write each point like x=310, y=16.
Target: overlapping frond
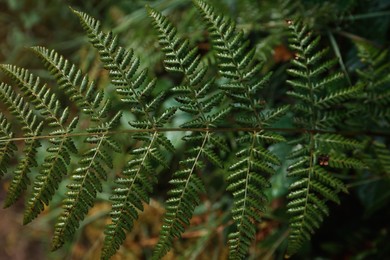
x=55, y=163
x=196, y=97
x=135, y=88
x=92, y=167
x=374, y=77
x=319, y=106
x=31, y=127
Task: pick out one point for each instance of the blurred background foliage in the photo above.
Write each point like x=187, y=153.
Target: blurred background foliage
x=356, y=230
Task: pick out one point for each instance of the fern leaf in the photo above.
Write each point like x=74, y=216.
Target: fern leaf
x=183, y=199
x=135, y=88
x=374, y=78
x=7, y=147
x=191, y=95
x=31, y=127
x=55, y=164
x=247, y=178
x=121, y=64
x=86, y=180
x=72, y=82
x=131, y=191
x=247, y=181
x=53, y=168
x=319, y=105
x=337, y=141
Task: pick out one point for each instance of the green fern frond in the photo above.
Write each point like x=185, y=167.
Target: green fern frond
x=183, y=198
x=71, y=80
x=191, y=95
x=86, y=180
x=337, y=141
x=319, y=106
x=133, y=189
x=214, y=106
x=31, y=126
x=248, y=177
x=135, y=88
x=7, y=147
x=55, y=164
x=133, y=85
x=375, y=79
x=377, y=158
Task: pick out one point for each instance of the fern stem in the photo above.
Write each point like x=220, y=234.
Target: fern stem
x=211, y=130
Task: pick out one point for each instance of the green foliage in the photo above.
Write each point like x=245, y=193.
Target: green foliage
x=227, y=119
x=193, y=95
x=318, y=106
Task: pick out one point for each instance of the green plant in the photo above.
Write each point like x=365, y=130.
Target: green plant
x=225, y=117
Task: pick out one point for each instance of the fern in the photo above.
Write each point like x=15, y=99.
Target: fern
x=31, y=126
x=374, y=77
x=55, y=164
x=86, y=180
x=248, y=176
x=135, y=186
x=318, y=107
x=211, y=105
x=191, y=95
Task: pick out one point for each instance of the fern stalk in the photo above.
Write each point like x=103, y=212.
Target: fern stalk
x=191, y=94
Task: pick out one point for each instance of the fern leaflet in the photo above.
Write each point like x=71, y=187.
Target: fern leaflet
x=248, y=177
x=317, y=97
x=55, y=164
x=191, y=95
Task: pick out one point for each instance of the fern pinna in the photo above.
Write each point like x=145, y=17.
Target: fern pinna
x=194, y=97
x=318, y=105
x=375, y=78
x=55, y=164
x=375, y=114
x=248, y=177
x=87, y=178
x=134, y=86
